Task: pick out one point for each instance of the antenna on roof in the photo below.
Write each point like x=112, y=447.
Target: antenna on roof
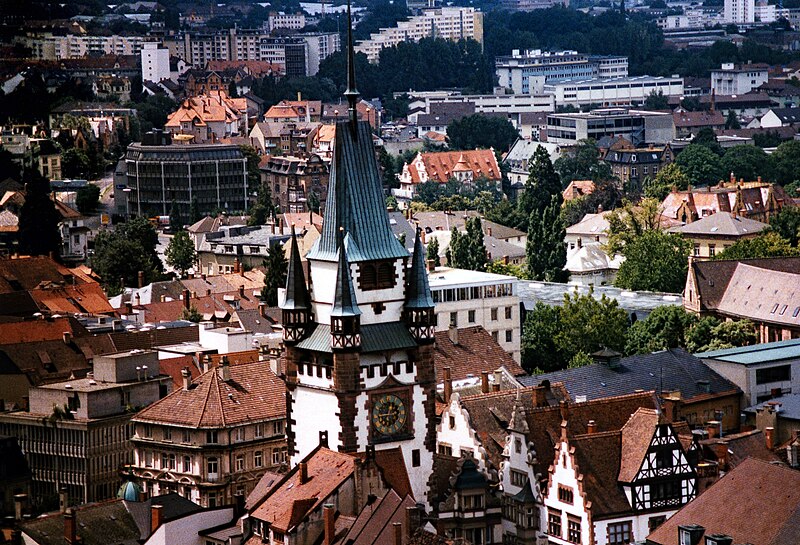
x=351, y=93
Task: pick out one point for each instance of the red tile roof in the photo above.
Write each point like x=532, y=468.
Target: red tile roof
x=252, y=394
x=438, y=167
x=758, y=502
x=475, y=352
x=49, y=329
x=174, y=366
x=375, y=522
x=637, y=434
x=288, y=503
x=393, y=468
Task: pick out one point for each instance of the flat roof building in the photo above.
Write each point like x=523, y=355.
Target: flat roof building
x=613, y=92
x=635, y=125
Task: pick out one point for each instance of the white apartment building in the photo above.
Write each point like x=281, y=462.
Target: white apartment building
x=613, y=92
x=155, y=63
x=740, y=11
x=74, y=47
x=289, y=21
x=464, y=298
x=450, y=23
x=320, y=47
x=738, y=79
x=507, y=104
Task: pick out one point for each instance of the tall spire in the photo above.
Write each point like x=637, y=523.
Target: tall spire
x=351, y=93
x=297, y=297
x=344, y=301
x=418, y=291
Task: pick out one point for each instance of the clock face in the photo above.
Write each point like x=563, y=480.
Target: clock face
x=388, y=414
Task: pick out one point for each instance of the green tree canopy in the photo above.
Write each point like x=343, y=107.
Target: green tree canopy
x=654, y=261
x=432, y=252
x=180, y=253
x=766, y=245
x=545, y=249
x=543, y=184
x=539, y=349
x=707, y=138
x=467, y=250
x=747, y=162
x=277, y=266
x=75, y=163
x=38, y=219
x=700, y=164
x=786, y=223
x=582, y=163
x=785, y=159
x=628, y=222
x=659, y=186
x=481, y=131
x=664, y=328
x=656, y=101
x=710, y=334
x=87, y=199
x=175, y=219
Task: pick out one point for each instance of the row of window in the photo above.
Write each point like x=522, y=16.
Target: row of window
x=471, y=317
x=212, y=436
x=476, y=292
x=185, y=464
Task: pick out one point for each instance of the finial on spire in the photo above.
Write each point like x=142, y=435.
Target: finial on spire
x=351, y=93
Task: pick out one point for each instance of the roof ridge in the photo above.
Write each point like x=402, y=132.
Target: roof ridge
x=208, y=394
x=609, y=433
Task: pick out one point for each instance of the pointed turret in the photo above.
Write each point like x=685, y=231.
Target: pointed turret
x=345, y=315
x=419, y=305
x=351, y=93
x=296, y=308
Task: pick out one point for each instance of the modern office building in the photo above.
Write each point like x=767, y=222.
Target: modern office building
x=635, y=125
x=738, y=79
x=159, y=172
x=740, y=11
x=526, y=72
x=155, y=63
x=632, y=91
x=75, y=434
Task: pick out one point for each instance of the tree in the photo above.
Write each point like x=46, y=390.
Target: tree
x=233, y=91
x=87, y=199
x=545, y=249
x=194, y=211
x=732, y=122
x=664, y=328
x=261, y=211
x=432, y=252
x=277, y=266
x=786, y=223
x=175, y=219
x=659, y=186
x=654, y=261
x=539, y=350
x=543, y=184
x=656, y=101
x=507, y=269
x=746, y=162
x=711, y=334
x=192, y=314
x=481, y=131
x=117, y=257
x=588, y=324
x=700, y=164
x=628, y=222
x=38, y=232
x=707, y=138
x=582, y=163
x=180, y=253
x=467, y=250
x=75, y=163
x=785, y=159
x=766, y=245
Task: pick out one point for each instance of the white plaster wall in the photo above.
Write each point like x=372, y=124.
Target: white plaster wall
x=565, y=476
x=225, y=342
x=321, y=414
x=462, y=435
x=640, y=528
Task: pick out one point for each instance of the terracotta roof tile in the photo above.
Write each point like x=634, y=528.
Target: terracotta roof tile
x=475, y=352
x=174, y=366
x=740, y=446
x=637, y=434
x=290, y=500
x=49, y=329
x=758, y=502
x=438, y=166
x=598, y=456
x=393, y=468
x=253, y=394
x=375, y=522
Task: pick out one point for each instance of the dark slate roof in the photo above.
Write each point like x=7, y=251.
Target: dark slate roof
x=418, y=292
x=356, y=202
x=297, y=297
x=344, y=298
x=374, y=338
x=668, y=370
x=97, y=524
x=173, y=506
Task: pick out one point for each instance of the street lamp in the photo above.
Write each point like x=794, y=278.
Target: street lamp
x=127, y=192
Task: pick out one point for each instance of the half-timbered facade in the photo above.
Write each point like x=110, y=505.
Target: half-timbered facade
x=614, y=488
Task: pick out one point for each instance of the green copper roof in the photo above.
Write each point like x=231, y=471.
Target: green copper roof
x=374, y=338
x=418, y=291
x=344, y=299
x=356, y=201
x=297, y=297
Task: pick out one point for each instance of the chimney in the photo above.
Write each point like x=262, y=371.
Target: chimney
x=431, y=265
x=485, y=382
x=452, y=333
x=19, y=505
x=397, y=529
x=412, y=521
x=262, y=309
x=539, y=397
x=330, y=523
x=323, y=438
x=713, y=429
x=489, y=231
x=63, y=499
x=236, y=265
x=128, y=308
x=185, y=375
x=238, y=505
x=448, y=385
x=187, y=303
x=241, y=291
x=225, y=369
x=155, y=517
x=302, y=472
x=422, y=236
x=140, y=277
x=769, y=435
x=67, y=336
x=591, y=427
x=70, y=528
